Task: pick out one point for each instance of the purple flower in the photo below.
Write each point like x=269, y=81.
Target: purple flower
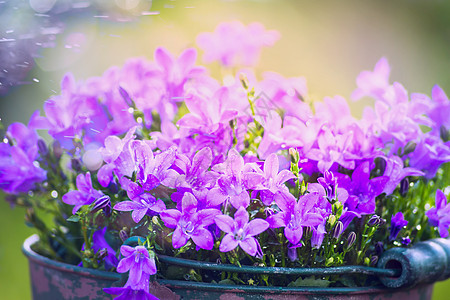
x=373, y=83
x=99, y=243
x=19, y=170
x=429, y=154
x=208, y=120
x=439, y=216
x=233, y=43
x=175, y=73
x=397, y=223
x=295, y=215
x=85, y=195
x=240, y=232
x=141, y=204
x=286, y=93
x=153, y=170
x=129, y=293
x=396, y=172
x=190, y=223
x=363, y=190
x=329, y=183
x=102, y=203
x=74, y=113
x=440, y=110
x=230, y=186
x=331, y=148
x=270, y=182
x=196, y=175
x=137, y=261
x=140, y=265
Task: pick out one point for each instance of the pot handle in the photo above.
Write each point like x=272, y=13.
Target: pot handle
x=424, y=262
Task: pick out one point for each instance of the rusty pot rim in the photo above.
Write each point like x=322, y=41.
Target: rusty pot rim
x=64, y=267
x=178, y=284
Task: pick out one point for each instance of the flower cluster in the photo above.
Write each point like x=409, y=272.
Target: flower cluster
x=247, y=172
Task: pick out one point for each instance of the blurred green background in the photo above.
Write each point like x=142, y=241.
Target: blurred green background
x=328, y=42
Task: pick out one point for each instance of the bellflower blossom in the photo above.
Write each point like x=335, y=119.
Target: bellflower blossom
x=397, y=223
x=175, y=73
x=373, y=83
x=233, y=43
x=363, y=190
x=84, y=195
x=271, y=180
x=440, y=111
x=99, y=243
x=240, y=232
x=439, y=216
x=190, y=223
x=295, y=215
x=231, y=184
x=396, y=172
x=140, y=266
x=19, y=170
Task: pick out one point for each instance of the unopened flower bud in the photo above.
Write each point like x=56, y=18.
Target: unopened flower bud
x=76, y=165
x=123, y=235
x=367, y=261
x=42, y=147
x=331, y=220
x=338, y=229
x=445, y=134
x=374, y=221
x=379, y=248
x=374, y=260
x=11, y=199
x=292, y=253
x=57, y=149
x=351, y=239
x=307, y=231
x=380, y=164
x=113, y=188
x=126, y=97
x=295, y=157
x=244, y=80
x=406, y=241
x=409, y=148
x=404, y=186
x=103, y=203
x=102, y=253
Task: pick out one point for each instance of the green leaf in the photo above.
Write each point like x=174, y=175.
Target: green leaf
x=227, y=281
x=347, y=281
x=309, y=281
x=74, y=219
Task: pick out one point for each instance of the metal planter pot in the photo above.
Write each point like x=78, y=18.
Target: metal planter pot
x=416, y=269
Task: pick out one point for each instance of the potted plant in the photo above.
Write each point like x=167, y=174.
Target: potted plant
x=163, y=182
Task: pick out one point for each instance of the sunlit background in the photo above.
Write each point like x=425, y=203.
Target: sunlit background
x=328, y=42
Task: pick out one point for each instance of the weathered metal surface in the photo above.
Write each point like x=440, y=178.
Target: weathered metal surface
x=424, y=262
x=201, y=291
x=55, y=280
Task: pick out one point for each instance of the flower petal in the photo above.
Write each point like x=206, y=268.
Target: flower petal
x=249, y=245
x=256, y=226
x=203, y=238
x=225, y=223
x=241, y=217
x=179, y=238
x=138, y=214
x=228, y=243
x=171, y=217
x=127, y=206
